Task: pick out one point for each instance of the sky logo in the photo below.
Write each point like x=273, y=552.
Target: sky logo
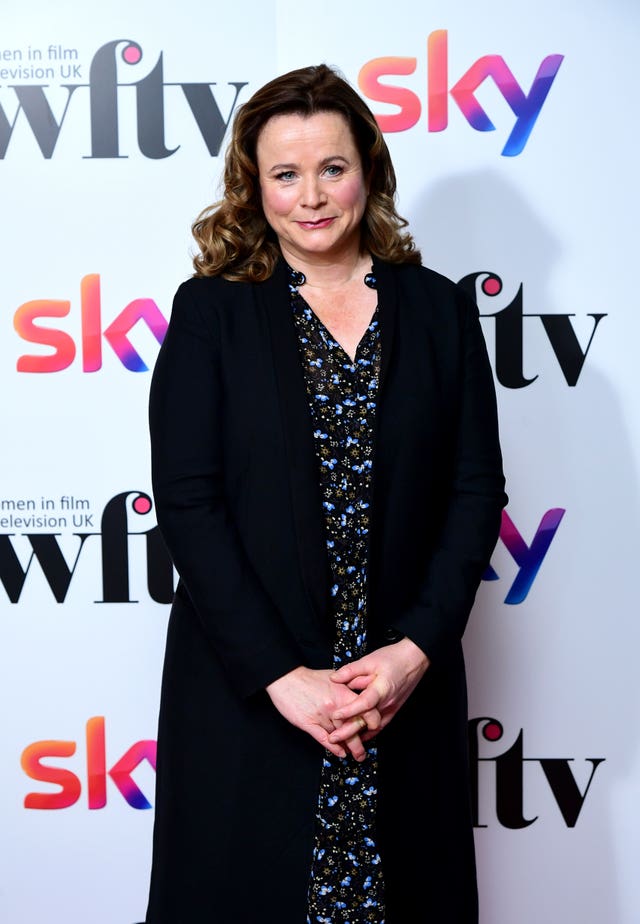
x=526, y=106
x=25, y=322
x=70, y=785
x=528, y=558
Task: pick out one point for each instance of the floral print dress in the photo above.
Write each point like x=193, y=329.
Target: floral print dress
x=346, y=884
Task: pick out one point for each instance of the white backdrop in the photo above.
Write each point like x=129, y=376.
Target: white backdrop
x=102, y=171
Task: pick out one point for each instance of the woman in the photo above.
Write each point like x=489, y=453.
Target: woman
x=328, y=481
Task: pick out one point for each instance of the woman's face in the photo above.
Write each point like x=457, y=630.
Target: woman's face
x=313, y=190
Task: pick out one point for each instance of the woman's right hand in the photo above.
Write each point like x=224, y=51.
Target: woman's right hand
x=307, y=698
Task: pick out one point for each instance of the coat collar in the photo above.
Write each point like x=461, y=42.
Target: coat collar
x=306, y=498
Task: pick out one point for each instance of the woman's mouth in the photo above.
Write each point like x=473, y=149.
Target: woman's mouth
x=314, y=225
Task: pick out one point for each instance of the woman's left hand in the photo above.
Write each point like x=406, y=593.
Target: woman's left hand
x=386, y=678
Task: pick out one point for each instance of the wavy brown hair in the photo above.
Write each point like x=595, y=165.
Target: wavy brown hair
x=233, y=235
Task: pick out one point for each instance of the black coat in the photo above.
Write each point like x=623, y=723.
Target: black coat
x=238, y=503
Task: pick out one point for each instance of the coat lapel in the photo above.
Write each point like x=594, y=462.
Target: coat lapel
x=306, y=497
x=387, y=311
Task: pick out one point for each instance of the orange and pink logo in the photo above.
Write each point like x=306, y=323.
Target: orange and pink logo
x=70, y=784
x=63, y=344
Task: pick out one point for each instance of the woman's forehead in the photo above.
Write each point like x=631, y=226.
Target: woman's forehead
x=304, y=133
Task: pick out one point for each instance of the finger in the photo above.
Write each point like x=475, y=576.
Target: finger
x=336, y=749
x=348, y=730
x=325, y=723
x=373, y=719
x=322, y=737
x=357, y=748
x=347, y=672
x=344, y=729
x=352, y=744
x=365, y=701
x=372, y=733
x=361, y=682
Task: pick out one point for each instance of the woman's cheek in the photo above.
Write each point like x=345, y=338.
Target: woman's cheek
x=279, y=201
x=352, y=193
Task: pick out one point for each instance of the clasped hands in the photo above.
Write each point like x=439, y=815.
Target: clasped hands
x=331, y=705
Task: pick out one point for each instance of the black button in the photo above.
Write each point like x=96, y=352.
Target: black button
x=392, y=635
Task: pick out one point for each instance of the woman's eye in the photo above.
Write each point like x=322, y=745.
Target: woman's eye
x=286, y=175
x=333, y=170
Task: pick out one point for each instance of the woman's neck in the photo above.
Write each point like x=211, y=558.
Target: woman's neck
x=329, y=272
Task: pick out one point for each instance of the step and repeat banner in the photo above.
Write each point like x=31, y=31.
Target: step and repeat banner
x=514, y=135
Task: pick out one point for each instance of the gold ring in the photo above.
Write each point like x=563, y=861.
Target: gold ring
x=363, y=722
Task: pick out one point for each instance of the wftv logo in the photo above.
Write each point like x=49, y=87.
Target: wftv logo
x=509, y=332
x=509, y=778
x=114, y=538
x=115, y=533
x=525, y=106
x=97, y=773
x=103, y=98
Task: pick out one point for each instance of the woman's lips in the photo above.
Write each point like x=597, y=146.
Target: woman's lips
x=314, y=225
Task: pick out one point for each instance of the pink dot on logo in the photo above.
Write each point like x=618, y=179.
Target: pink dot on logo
x=132, y=54
x=492, y=731
x=491, y=285
x=142, y=505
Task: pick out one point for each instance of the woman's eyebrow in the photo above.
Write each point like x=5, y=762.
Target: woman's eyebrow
x=325, y=160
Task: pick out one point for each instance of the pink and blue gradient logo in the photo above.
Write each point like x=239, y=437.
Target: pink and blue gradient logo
x=525, y=106
x=528, y=557
x=70, y=784
x=90, y=339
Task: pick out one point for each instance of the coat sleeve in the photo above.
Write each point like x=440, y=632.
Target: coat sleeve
x=438, y=615
x=241, y=622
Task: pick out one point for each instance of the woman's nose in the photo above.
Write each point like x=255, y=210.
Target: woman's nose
x=312, y=193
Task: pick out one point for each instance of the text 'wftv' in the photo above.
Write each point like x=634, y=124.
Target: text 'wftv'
x=102, y=96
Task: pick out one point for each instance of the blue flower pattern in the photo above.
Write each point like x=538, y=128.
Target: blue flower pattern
x=346, y=885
